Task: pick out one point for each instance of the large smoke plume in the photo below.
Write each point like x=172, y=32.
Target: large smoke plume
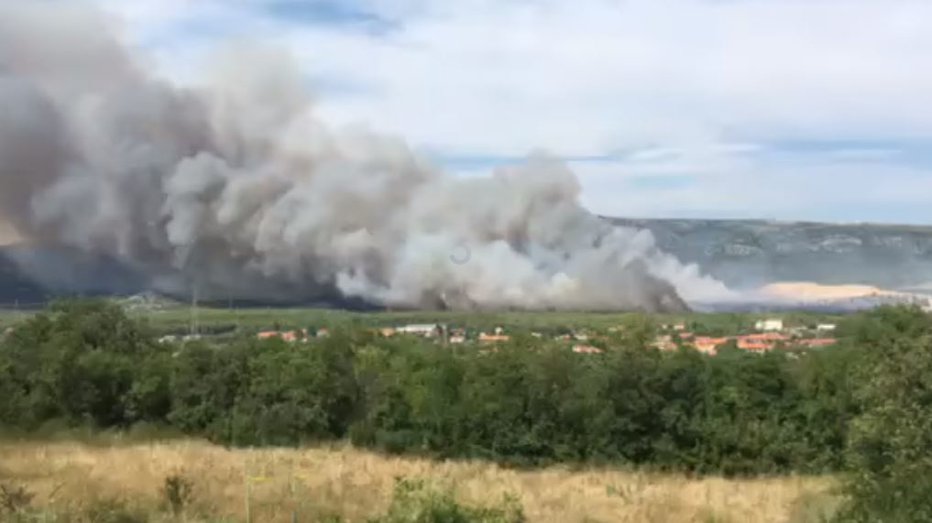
x=236, y=189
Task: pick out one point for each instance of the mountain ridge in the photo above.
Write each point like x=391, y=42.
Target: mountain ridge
x=743, y=254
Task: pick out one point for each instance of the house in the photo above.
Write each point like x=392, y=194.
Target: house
x=664, y=343
x=772, y=324
x=387, y=332
x=818, y=342
x=493, y=338
x=754, y=344
x=708, y=345
x=427, y=330
x=289, y=336
x=293, y=336
x=267, y=335
x=771, y=337
x=586, y=349
x=826, y=327
x=457, y=339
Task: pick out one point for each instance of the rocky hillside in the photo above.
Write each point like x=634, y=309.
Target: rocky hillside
x=749, y=254
x=744, y=254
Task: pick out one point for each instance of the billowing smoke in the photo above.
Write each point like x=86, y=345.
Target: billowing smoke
x=236, y=189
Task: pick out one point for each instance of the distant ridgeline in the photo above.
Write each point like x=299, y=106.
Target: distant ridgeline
x=66, y=271
x=744, y=254
x=751, y=253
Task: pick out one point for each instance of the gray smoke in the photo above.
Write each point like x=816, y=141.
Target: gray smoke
x=236, y=189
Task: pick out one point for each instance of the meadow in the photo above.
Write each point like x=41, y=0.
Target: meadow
x=312, y=484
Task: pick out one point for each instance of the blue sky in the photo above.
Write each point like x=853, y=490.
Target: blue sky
x=777, y=109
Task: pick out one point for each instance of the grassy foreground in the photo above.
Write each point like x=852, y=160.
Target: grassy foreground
x=78, y=478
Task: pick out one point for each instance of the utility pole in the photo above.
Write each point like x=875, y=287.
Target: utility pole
x=194, y=313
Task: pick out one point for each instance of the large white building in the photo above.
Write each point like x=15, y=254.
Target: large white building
x=428, y=330
x=769, y=325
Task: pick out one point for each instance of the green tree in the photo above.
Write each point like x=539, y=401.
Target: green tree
x=891, y=466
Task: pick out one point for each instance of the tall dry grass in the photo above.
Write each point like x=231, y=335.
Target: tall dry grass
x=314, y=482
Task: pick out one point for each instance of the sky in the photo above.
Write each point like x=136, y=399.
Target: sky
x=771, y=109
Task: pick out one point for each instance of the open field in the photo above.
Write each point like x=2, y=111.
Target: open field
x=69, y=476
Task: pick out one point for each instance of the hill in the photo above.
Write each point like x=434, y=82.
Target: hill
x=744, y=254
x=748, y=254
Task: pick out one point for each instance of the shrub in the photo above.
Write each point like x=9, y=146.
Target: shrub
x=14, y=499
x=178, y=493
x=416, y=502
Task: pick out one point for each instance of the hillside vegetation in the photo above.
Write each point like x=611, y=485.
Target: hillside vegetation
x=860, y=409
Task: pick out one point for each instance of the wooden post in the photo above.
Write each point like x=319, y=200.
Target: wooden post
x=294, y=501
x=247, y=488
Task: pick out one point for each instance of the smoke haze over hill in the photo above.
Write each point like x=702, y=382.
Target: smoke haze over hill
x=236, y=189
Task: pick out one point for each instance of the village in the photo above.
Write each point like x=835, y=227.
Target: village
x=768, y=334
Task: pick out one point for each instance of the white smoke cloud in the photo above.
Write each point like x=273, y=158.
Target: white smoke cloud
x=236, y=188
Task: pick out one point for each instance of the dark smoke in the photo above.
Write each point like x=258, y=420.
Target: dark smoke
x=236, y=189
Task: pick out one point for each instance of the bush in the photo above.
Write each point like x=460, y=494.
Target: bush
x=14, y=499
x=890, y=468
x=178, y=493
x=416, y=502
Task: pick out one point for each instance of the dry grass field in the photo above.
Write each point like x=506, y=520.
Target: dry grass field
x=68, y=477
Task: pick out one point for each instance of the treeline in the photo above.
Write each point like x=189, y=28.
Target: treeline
x=862, y=406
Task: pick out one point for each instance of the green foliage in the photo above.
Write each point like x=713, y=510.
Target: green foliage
x=864, y=404
x=888, y=449
x=416, y=502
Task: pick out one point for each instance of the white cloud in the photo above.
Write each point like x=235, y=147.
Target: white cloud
x=596, y=77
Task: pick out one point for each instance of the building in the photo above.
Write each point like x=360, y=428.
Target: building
x=427, y=330
x=826, y=327
x=708, y=345
x=586, y=349
x=664, y=343
x=818, y=342
x=770, y=337
x=289, y=336
x=771, y=324
x=754, y=345
x=493, y=338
